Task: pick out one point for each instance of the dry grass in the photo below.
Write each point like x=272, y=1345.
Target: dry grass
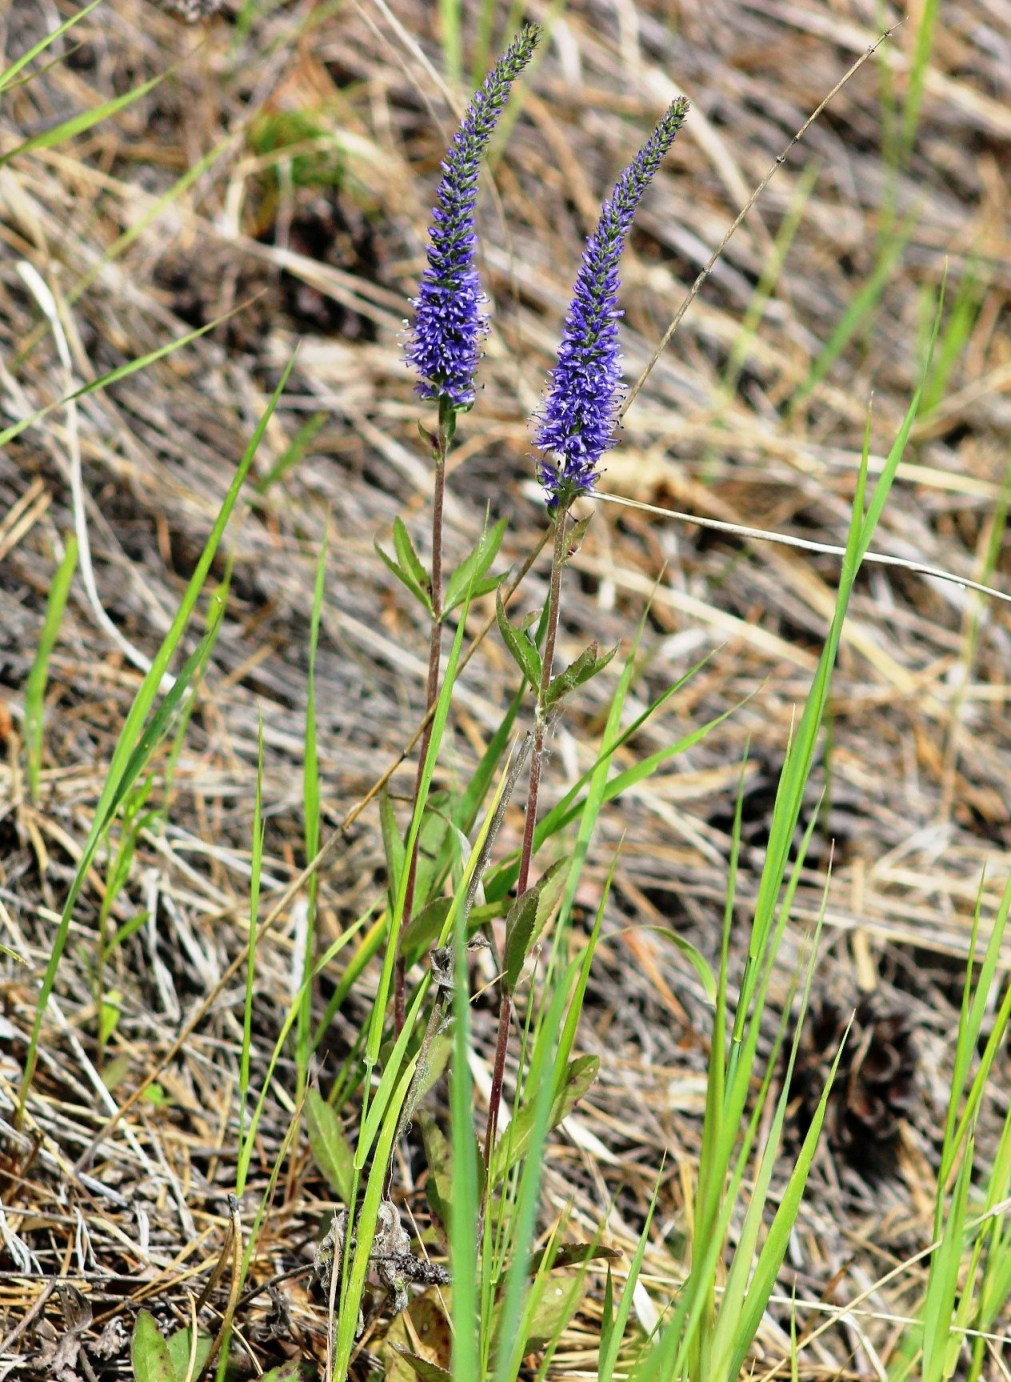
x=920, y=755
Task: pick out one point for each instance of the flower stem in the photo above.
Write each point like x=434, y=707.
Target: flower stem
x=530, y=823
x=440, y=448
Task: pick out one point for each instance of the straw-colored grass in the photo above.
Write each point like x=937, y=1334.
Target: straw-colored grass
x=179, y=209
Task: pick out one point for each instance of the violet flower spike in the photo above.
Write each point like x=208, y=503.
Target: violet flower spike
x=576, y=422
x=444, y=342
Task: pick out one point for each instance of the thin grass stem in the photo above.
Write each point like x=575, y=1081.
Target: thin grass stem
x=440, y=450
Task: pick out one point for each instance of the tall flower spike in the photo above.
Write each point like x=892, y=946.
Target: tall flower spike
x=444, y=343
x=576, y=422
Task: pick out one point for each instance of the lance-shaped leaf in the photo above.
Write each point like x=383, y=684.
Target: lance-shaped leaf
x=580, y=1074
x=407, y=568
x=528, y=916
x=329, y=1146
x=587, y=665
x=471, y=575
x=525, y=655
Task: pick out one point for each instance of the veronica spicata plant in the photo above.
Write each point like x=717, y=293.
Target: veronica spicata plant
x=444, y=348
x=576, y=425
x=577, y=422
x=449, y=323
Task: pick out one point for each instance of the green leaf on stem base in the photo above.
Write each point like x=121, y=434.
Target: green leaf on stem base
x=393, y=844
x=525, y=655
x=574, y=536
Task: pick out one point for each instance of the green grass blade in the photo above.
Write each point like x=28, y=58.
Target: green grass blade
x=311, y=809
x=439, y=719
x=612, y=1335
x=464, y=1246
x=366, y=1228
x=451, y=26
x=35, y=686
x=255, y=873
x=860, y=309
x=113, y=377
x=511, y=1339
x=10, y=72
x=945, y=1264
x=918, y=73
x=83, y=120
x=134, y=741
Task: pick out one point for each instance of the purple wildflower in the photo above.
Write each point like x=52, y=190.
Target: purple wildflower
x=576, y=422
x=448, y=323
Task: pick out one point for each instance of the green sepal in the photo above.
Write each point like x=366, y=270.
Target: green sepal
x=525, y=655
x=528, y=916
x=470, y=576
x=587, y=665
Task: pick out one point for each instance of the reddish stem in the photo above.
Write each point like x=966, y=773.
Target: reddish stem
x=529, y=824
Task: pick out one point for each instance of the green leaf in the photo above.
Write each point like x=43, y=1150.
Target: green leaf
x=552, y=1307
x=529, y=915
x=149, y=1352
x=467, y=578
x=579, y=1076
x=35, y=686
x=574, y=537
x=587, y=665
x=329, y=1146
x=525, y=655
x=421, y=1334
x=407, y=556
x=606, y=1326
x=428, y=1372
x=424, y=928
x=291, y=1371
x=180, y=1347
x=694, y=957
x=110, y=1011
x=573, y=1254
x=405, y=578
x=439, y=1160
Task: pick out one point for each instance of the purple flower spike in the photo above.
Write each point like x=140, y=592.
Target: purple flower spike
x=576, y=422
x=448, y=325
